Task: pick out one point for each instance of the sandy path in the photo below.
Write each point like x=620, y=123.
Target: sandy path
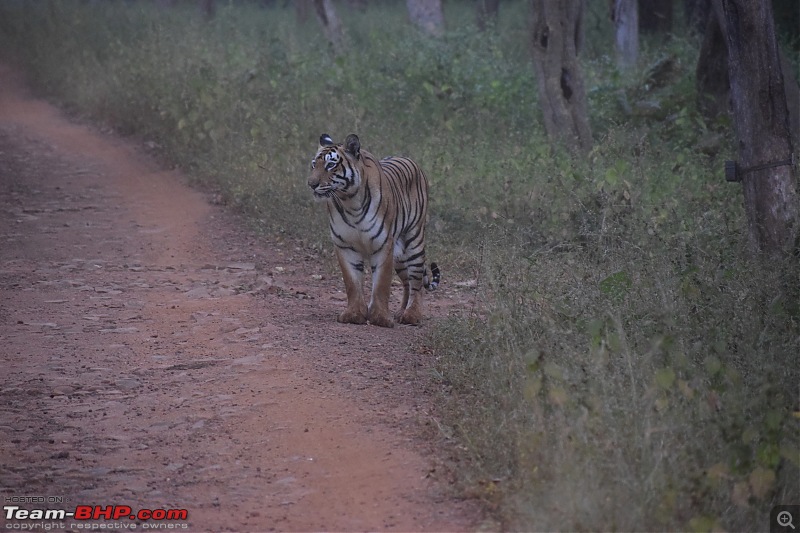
x=156, y=355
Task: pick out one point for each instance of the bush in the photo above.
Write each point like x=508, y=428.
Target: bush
x=628, y=366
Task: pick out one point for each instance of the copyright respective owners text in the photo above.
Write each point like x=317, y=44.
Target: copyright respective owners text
x=784, y=518
x=49, y=513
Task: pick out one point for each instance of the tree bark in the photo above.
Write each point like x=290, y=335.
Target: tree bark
x=625, y=15
x=359, y=5
x=208, y=8
x=711, y=74
x=302, y=8
x=427, y=15
x=326, y=14
x=792, y=99
x=556, y=38
x=655, y=16
x=696, y=13
x=760, y=112
x=487, y=13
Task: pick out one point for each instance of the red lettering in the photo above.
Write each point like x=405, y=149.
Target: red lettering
x=100, y=512
x=121, y=511
x=83, y=512
x=118, y=512
x=177, y=514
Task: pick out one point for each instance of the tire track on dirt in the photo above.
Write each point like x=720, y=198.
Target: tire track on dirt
x=157, y=356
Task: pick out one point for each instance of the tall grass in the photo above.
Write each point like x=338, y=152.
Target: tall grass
x=630, y=366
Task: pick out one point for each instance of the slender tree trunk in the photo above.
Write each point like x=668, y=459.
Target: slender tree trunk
x=655, y=16
x=760, y=112
x=625, y=15
x=556, y=38
x=711, y=74
x=302, y=10
x=487, y=13
x=326, y=14
x=360, y=5
x=696, y=14
x=208, y=8
x=792, y=99
x=427, y=15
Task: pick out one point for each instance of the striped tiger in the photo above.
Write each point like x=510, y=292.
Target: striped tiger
x=377, y=214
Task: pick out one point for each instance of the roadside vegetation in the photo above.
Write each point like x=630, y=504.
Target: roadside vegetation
x=630, y=365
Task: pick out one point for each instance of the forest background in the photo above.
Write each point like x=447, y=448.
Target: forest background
x=632, y=362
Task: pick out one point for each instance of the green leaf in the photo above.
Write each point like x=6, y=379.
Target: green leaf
x=554, y=371
x=616, y=285
x=611, y=177
x=713, y=365
x=532, y=387
x=761, y=482
x=665, y=378
x=702, y=523
x=558, y=396
x=749, y=435
x=790, y=454
x=774, y=419
x=595, y=330
x=769, y=454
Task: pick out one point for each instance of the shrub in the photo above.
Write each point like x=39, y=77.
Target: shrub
x=628, y=365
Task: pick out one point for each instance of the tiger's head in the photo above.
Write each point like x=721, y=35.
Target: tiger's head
x=336, y=169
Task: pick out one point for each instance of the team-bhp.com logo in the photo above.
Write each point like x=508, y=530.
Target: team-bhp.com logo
x=149, y=518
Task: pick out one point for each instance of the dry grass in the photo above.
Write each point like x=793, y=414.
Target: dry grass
x=633, y=366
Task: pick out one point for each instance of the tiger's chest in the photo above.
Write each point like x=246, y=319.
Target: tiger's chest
x=360, y=223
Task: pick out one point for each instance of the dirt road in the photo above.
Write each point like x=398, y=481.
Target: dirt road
x=156, y=355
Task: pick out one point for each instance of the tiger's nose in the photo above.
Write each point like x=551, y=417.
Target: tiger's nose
x=313, y=182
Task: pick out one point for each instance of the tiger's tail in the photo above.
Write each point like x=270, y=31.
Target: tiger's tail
x=431, y=281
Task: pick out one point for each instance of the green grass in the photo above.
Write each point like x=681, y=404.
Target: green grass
x=629, y=365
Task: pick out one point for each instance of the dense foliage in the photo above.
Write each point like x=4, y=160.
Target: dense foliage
x=628, y=366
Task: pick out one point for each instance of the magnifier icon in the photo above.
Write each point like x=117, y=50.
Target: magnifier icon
x=785, y=519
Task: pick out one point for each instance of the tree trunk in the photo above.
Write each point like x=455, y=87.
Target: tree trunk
x=655, y=16
x=359, y=5
x=302, y=8
x=208, y=8
x=326, y=14
x=760, y=112
x=556, y=39
x=487, y=13
x=696, y=14
x=792, y=98
x=427, y=15
x=713, y=86
x=626, y=23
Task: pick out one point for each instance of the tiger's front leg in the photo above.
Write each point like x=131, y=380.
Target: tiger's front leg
x=382, y=269
x=353, y=274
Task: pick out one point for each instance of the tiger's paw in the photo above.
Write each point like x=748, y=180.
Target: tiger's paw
x=410, y=316
x=382, y=320
x=352, y=317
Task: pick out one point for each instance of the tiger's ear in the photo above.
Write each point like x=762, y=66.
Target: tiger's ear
x=325, y=140
x=352, y=145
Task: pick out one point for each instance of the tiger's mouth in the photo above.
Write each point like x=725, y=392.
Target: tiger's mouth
x=322, y=192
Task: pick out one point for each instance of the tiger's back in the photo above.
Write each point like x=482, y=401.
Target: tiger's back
x=409, y=192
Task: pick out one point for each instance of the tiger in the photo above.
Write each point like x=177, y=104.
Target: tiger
x=377, y=212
